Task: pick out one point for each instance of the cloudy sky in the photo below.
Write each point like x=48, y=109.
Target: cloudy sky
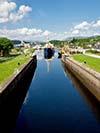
x=53, y=19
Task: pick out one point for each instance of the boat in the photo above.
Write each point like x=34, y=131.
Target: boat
x=48, y=51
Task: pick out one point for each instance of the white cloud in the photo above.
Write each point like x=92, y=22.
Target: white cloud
x=96, y=34
x=82, y=29
x=38, y=34
x=75, y=32
x=46, y=33
x=83, y=26
x=97, y=24
x=86, y=29
x=31, y=34
x=26, y=31
x=25, y=34
x=87, y=26
x=8, y=11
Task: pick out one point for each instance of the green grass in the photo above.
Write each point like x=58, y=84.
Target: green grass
x=93, y=63
x=7, y=68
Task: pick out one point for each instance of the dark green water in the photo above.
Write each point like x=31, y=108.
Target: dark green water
x=57, y=103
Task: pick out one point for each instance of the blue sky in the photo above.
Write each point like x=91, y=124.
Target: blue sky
x=58, y=19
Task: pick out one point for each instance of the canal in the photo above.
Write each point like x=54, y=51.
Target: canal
x=57, y=102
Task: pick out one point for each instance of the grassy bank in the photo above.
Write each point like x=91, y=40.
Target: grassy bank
x=93, y=52
x=91, y=62
x=8, y=67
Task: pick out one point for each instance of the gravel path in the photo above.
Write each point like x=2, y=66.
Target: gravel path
x=92, y=55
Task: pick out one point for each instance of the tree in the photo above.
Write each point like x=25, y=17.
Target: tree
x=5, y=46
x=57, y=43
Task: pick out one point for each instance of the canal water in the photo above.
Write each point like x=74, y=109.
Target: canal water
x=57, y=102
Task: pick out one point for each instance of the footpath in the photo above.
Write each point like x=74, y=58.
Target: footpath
x=92, y=55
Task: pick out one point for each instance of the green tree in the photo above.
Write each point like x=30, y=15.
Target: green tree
x=5, y=46
x=57, y=43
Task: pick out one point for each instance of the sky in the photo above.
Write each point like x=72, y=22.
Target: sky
x=39, y=20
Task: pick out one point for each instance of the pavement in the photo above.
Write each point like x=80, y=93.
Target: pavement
x=92, y=55
x=2, y=59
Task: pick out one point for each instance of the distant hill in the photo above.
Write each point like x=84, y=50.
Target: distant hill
x=81, y=37
x=16, y=42
x=26, y=41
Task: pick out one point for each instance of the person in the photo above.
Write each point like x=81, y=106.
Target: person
x=62, y=51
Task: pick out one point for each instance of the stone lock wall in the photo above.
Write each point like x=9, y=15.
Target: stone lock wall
x=87, y=76
x=19, y=78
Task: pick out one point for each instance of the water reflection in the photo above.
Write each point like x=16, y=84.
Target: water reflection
x=90, y=100
x=39, y=54
x=48, y=56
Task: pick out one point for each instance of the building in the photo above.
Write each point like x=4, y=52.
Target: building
x=26, y=44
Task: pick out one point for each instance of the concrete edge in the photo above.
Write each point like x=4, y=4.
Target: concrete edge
x=78, y=70
x=4, y=85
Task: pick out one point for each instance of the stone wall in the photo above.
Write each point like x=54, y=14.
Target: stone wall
x=19, y=76
x=13, y=94
x=87, y=76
